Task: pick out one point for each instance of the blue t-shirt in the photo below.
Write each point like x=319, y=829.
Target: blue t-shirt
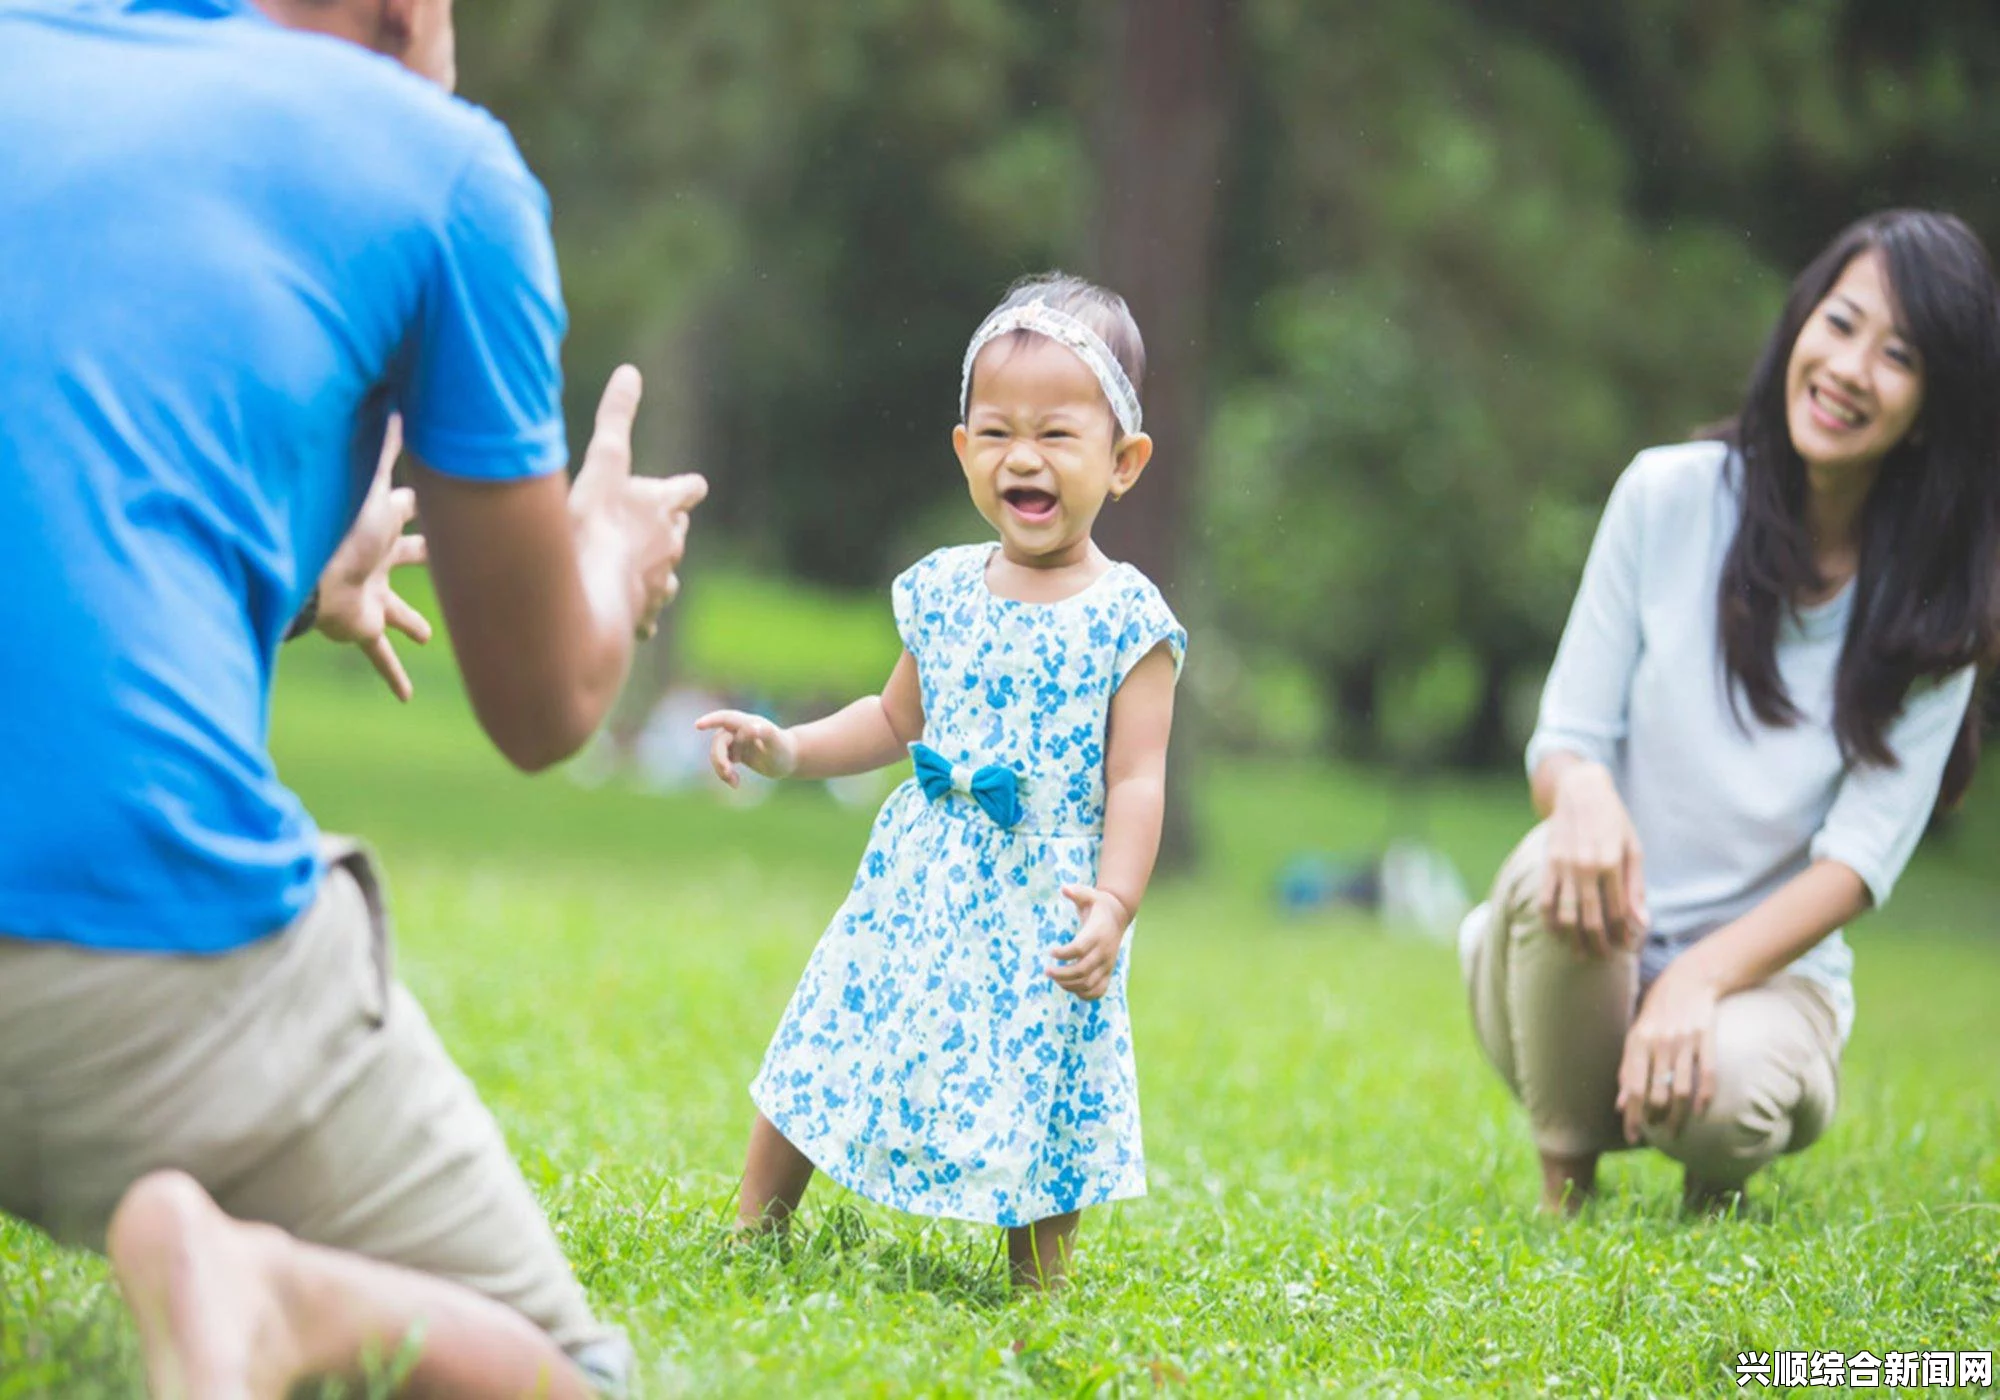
x=227, y=251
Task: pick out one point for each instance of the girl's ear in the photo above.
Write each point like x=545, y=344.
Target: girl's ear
x=1129, y=459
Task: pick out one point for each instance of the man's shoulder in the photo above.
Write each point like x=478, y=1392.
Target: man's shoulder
x=368, y=96
x=283, y=80
x=253, y=80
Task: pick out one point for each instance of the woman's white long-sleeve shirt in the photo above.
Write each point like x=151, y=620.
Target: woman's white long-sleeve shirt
x=1726, y=812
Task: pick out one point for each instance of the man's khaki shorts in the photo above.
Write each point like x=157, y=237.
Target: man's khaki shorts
x=296, y=1080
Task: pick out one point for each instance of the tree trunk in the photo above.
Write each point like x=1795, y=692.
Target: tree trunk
x=1353, y=688
x=666, y=440
x=1485, y=742
x=1159, y=163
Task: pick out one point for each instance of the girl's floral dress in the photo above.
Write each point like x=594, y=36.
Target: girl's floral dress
x=927, y=1059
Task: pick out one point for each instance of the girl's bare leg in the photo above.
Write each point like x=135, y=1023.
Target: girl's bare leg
x=228, y=1310
x=1038, y=1254
x=775, y=1177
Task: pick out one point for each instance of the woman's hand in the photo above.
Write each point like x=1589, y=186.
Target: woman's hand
x=1668, y=1073
x=751, y=740
x=1084, y=964
x=1593, y=879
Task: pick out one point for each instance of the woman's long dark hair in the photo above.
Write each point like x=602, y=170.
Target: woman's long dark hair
x=1927, y=586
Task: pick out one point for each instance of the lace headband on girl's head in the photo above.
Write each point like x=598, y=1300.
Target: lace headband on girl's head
x=1065, y=330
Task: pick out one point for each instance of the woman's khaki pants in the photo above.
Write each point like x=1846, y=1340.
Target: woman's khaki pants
x=1553, y=1022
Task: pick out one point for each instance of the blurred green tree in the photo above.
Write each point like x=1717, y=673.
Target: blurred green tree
x=1460, y=337
x=1438, y=269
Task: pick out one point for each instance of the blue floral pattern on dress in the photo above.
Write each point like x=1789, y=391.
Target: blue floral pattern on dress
x=927, y=1060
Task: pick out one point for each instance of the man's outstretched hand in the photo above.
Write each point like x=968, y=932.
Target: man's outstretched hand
x=631, y=531
x=356, y=602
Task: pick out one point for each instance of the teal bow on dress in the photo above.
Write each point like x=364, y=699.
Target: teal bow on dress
x=995, y=787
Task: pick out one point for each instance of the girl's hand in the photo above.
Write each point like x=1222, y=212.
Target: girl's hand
x=1668, y=1073
x=1084, y=964
x=750, y=740
x=1594, y=878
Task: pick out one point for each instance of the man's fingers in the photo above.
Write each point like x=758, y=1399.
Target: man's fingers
x=409, y=549
x=392, y=448
x=403, y=506
x=682, y=493
x=611, y=441
x=384, y=658
x=397, y=613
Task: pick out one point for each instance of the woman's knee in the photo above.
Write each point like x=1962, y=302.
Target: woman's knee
x=1729, y=1143
x=1775, y=1090
x=1517, y=889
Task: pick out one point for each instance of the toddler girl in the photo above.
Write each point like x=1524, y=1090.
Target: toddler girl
x=959, y=1044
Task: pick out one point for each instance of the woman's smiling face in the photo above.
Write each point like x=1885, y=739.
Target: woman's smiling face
x=1854, y=384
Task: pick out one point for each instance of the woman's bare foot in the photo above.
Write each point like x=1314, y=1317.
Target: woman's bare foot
x=1700, y=1197
x=211, y=1318
x=1568, y=1183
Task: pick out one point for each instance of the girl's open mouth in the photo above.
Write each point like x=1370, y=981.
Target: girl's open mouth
x=1029, y=504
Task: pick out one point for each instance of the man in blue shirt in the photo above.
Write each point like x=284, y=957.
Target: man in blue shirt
x=239, y=238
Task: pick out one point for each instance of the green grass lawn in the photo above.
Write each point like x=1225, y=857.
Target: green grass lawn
x=1342, y=1195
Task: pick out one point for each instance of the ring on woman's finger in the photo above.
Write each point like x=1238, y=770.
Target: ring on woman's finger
x=1665, y=1079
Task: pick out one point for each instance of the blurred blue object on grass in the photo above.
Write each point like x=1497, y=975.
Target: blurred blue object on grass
x=1412, y=887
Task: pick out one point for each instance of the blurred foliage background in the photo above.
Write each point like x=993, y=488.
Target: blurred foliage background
x=1417, y=281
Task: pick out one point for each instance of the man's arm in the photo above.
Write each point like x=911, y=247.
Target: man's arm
x=545, y=589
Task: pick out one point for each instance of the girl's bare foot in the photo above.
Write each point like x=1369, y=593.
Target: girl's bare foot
x=203, y=1289
x=1568, y=1182
x=775, y=1177
x=1038, y=1254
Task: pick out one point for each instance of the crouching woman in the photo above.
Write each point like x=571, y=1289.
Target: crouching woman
x=1761, y=696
